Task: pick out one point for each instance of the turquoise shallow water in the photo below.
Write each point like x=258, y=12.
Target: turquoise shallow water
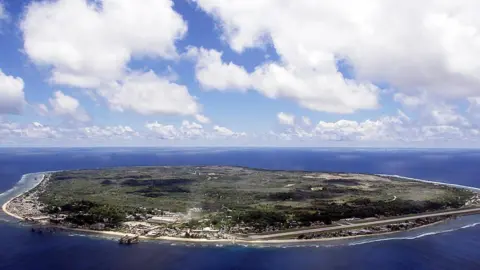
x=451, y=245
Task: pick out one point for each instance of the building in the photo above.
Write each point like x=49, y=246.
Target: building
x=163, y=219
x=206, y=230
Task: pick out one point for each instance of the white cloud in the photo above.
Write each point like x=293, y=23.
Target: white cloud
x=474, y=108
x=286, y=119
x=446, y=115
x=320, y=91
x=36, y=133
x=33, y=130
x=475, y=101
x=12, y=97
x=442, y=133
x=433, y=111
x=395, y=130
x=190, y=130
x=187, y=130
x=108, y=132
x=90, y=42
x=429, y=46
x=226, y=132
x=147, y=94
x=403, y=116
x=40, y=134
x=3, y=12
x=306, y=121
x=213, y=74
x=67, y=106
x=166, y=132
x=383, y=129
x=202, y=118
x=409, y=101
x=392, y=130
x=223, y=131
x=41, y=109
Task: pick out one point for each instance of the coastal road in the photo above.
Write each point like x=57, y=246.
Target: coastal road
x=364, y=224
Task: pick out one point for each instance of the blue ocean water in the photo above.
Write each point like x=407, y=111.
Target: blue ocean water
x=454, y=245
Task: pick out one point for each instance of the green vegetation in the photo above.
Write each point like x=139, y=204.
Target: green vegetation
x=88, y=213
x=234, y=195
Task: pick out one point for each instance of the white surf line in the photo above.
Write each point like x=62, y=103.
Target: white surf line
x=5, y=205
x=401, y=238
x=23, y=178
x=415, y=236
x=428, y=181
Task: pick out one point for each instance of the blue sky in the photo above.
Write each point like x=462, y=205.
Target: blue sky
x=239, y=73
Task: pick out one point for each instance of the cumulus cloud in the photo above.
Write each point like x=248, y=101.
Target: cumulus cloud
x=306, y=121
x=383, y=129
x=409, y=101
x=146, y=93
x=213, y=74
x=190, y=130
x=12, y=96
x=65, y=106
x=387, y=129
x=202, y=118
x=223, y=131
x=226, y=132
x=41, y=134
x=432, y=111
x=313, y=89
x=167, y=132
x=89, y=42
x=107, y=132
x=446, y=115
x=33, y=130
x=187, y=130
x=429, y=46
x=286, y=119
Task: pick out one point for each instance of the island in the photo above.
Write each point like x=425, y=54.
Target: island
x=236, y=204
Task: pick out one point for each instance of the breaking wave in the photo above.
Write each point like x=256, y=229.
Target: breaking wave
x=19, y=185
x=431, y=182
x=470, y=225
x=414, y=237
x=26, y=182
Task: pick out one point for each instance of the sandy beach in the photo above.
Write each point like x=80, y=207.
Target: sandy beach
x=210, y=241
x=5, y=205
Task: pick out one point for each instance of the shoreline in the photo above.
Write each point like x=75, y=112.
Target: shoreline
x=239, y=241
x=431, y=182
x=5, y=205
x=226, y=241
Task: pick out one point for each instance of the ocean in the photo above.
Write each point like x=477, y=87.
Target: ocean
x=451, y=245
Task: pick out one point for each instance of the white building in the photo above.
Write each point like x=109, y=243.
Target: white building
x=163, y=219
